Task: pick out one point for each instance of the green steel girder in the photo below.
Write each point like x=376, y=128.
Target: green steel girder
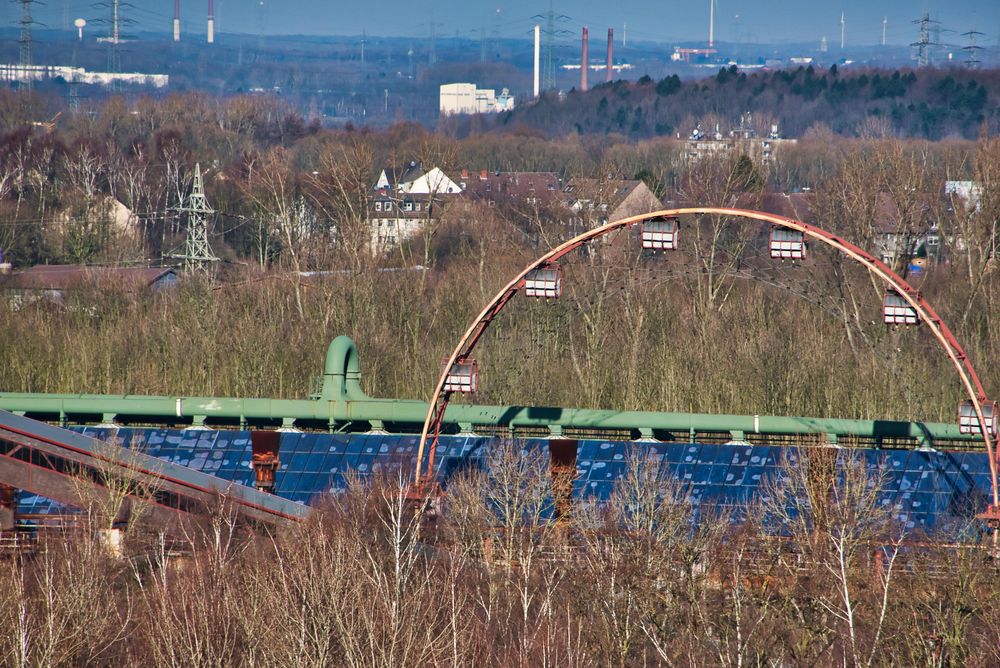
x=343, y=403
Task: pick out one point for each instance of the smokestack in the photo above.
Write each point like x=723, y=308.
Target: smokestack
x=211, y=21
x=611, y=51
x=538, y=51
x=711, y=23
x=584, y=60
x=177, y=20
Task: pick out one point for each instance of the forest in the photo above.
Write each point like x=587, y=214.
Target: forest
x=851, y=102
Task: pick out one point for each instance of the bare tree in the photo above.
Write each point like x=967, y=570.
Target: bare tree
x=845, y=539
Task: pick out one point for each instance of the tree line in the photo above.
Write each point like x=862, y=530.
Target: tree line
x=918, y=104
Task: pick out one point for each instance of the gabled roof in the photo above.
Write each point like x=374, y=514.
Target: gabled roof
x=69, y=276
x=393, y=175
x=512, y=185
x=797, y=206
x=606, y=191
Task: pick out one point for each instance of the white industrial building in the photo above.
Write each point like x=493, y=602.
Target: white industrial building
x=465, y=98
x=25, y=73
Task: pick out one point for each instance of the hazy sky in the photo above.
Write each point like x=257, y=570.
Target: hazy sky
x=660, y=20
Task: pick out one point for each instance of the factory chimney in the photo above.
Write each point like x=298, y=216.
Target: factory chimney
x=177, y=20
x=711, y=24
x=211, y=21
x=611, y=51
x=538, y=51
x=584, y=60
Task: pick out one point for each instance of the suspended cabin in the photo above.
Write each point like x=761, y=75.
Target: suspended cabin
x=544, y=282
x=968, y=421
x=787, y=244
x=897, y=311
x=660, y=234
x=463, y=377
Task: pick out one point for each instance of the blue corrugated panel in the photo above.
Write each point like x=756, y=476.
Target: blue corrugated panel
x=925, y=489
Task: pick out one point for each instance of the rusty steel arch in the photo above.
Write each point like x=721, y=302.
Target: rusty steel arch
x=971, y=383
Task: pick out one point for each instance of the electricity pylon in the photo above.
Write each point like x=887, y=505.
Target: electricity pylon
x=197, y=255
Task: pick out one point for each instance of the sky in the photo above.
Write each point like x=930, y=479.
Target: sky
x=652, y=20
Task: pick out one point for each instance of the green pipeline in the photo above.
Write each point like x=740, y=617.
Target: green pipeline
x=343, y=405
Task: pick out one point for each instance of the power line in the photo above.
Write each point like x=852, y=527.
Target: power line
x=924, y=43
x=551, y=32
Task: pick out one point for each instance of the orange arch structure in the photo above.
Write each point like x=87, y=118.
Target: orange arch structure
x=971, y=383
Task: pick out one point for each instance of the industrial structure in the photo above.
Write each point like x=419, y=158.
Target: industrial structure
x=467, y=98
x=197, y=254
x=789, y=239
x=936, y=475
x=939, y=475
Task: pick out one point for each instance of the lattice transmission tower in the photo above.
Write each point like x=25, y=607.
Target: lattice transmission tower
x=117, y=22
x=552, y=33
x=25, y=42
x=197, y=255
x=972, y=49
x=924, y=43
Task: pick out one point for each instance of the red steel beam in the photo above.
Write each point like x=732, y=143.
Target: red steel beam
x=971, y=383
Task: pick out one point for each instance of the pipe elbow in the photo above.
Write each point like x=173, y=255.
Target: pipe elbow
x=342, y=371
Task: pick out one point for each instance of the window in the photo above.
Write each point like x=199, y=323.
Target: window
x=489, y=187
x=378, y=206
x=492, y=203
x=418, y=206
x=388, y=206
x=408, y=206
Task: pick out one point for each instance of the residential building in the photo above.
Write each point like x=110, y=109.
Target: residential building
x=743, y=138
x=595, y=202
x=521, y=190
x=405, y=200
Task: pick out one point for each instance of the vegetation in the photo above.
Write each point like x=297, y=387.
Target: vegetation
x=926, y=104
x=642, y=580
x=633, y=331
x=816, y=573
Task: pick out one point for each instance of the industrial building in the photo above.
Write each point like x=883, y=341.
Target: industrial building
x=466, y=98
x=207, y=444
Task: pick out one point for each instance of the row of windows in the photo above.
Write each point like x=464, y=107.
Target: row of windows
x=406, y=206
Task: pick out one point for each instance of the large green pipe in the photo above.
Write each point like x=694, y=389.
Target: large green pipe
x=342, y=371
x=343, y=403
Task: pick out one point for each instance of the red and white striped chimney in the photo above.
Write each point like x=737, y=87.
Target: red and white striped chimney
x=211, y=21
x=611, y=51
x=584, y=59
x=177, y=20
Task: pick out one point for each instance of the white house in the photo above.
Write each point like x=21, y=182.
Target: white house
x=404, y=200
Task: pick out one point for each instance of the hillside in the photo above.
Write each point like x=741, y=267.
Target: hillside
x=929, y=103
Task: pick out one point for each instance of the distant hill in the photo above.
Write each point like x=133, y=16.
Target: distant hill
x=926, y=103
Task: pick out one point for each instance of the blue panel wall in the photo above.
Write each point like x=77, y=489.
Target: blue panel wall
x=926, y=490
